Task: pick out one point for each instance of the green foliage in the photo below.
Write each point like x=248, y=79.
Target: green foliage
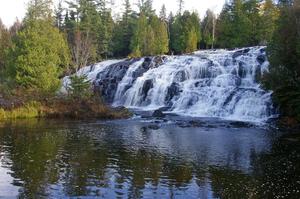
x=79, y=87
x=208, y=29
x=39, y=55
x=123, y=32
x=269, y=16
x=5, y=43
x=245, y=23
x=284, y=53
x=185, y=33
x=150, y=37
x=233, y=26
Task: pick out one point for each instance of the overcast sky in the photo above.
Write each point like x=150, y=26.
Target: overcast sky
x=12, y=9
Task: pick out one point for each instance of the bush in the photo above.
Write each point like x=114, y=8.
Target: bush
x=80, y=87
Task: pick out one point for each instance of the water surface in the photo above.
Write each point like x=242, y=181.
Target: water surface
x=137, y=159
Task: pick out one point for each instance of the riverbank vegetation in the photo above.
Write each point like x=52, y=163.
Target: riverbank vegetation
x=37, y=52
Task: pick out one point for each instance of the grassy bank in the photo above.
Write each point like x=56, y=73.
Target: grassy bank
x=63, y=108
x=29, y=110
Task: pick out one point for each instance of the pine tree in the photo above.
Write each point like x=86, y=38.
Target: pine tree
x=270, y=14
x=59, y=16
x=284, y=52
x=208, y=29
x=184, y=26
x=254, y=21
x=163, y=13
x=5, y=43
x=234, y=28
x=180, y=6
x=40, y=53
x=123, y=32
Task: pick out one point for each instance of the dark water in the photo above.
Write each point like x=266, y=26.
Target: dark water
x=125, y=159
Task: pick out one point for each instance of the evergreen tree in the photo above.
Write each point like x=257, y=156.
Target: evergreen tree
x=139, y=37
x=284, y=53
x=254, y=21
x=39, y=54
x=233, y=26
x=269, y=16
x=145, y=7
x=150, y=35
x=161, y=39
x=180, y=6
x=182, y=28
x=59, y=16
x=123, y=32
x=163, y=13
x=5, y=43
x=208, y=29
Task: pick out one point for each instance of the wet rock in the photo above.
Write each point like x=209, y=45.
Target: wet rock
x=195, y=123
x=242, y=72
x=238, y=124
x=166, y=108
x=172, y=91
x=158, y=60
x=120, y=108
x=240, y=53
x=148, y=84
x=150, y=127
x=227, y=62
x=263, y=50
x=191, y=124
x=261, y=59
x=158, y=114
x=180, y=76
x=107, y=80
x=258, y=74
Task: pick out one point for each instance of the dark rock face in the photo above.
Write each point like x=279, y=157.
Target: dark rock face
x=242, y=70
x=261, y=59
x=148, y=84
x=173, y=90
x=158, y=114
x=258, y=74
x=107, y=81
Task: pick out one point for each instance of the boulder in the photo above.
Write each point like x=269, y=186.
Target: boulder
x=158, y=114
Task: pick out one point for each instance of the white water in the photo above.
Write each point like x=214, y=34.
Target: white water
x=208, y=84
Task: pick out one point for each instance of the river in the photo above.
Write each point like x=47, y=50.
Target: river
x=146, y=158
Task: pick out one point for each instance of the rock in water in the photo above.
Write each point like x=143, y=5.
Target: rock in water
x=158, y=114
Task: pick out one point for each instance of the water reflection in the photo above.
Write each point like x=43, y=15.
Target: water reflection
x=50, y=159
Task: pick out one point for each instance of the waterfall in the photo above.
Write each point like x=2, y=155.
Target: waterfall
x=211, y=83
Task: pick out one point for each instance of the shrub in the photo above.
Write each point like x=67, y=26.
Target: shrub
x=79, y=87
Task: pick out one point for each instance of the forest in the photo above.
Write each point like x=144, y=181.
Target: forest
x=48, y=43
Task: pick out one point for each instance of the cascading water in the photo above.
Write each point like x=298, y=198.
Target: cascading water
x=215, y=83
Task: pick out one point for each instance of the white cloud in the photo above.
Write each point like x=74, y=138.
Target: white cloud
x=12, y=9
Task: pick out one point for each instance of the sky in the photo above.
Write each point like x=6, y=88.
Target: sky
x=12, y=9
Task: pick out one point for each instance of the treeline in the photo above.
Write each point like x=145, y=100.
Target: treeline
x=284, y=56
x=47, y=44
